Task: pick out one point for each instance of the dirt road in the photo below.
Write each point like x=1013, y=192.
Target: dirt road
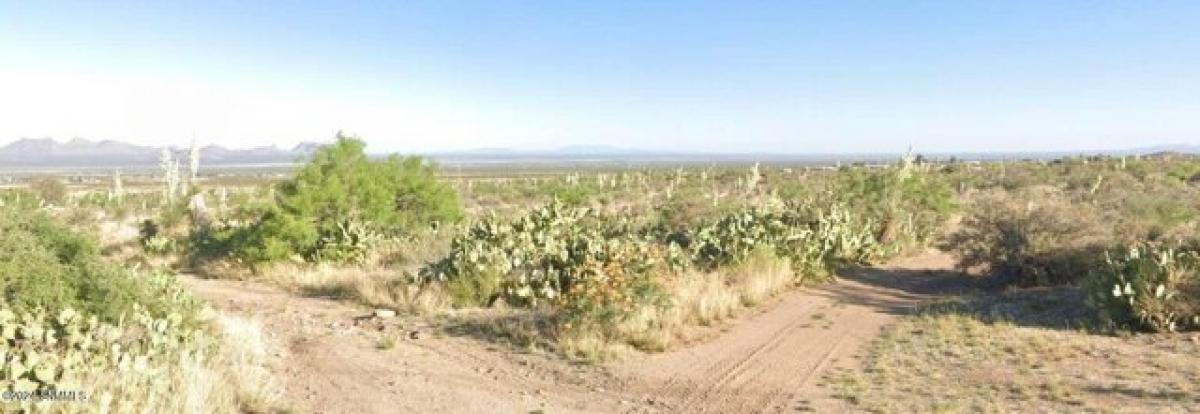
x=774, y=360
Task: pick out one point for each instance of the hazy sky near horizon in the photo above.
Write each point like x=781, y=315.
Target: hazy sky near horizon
x=732, y=76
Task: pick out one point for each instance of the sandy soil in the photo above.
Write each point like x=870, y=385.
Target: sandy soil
x=774, y=360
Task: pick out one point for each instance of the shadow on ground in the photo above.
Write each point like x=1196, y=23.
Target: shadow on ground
x=895, y=291
x=941, y=291
x=1062, y=307
x=518, y=330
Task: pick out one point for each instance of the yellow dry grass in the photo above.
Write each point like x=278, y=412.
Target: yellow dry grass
x=370, y=285
x=966, y=362
x=697, y=299
x=236, y=378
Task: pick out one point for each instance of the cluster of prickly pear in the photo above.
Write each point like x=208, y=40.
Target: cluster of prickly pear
x=353, y=242
x=124, y=365
x=806, y=235
x=99, y=366
x=584, y=262
x=1150, y=286
x=736, y=235
x=571, y=258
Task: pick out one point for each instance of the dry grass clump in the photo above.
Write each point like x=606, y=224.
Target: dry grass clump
x=760, y=277
x=705, y=298
x=540, y=329
x=697, y=298
x=381, y=280
x=702, y=298
x=369, y=285
x=245, y=350
x=235, y=378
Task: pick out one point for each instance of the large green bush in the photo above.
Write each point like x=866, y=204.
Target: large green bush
x=338, y=203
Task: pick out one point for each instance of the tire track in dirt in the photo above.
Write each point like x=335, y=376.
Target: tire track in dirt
x=773, y=361
x=770, y=361
x=726, y=371
x=330, y=361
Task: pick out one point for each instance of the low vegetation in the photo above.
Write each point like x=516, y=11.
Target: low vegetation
x=1126, y=235
x=75, y=327
x=603, y=279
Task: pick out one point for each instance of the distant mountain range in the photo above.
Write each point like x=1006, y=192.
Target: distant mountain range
x=79, y=152
x=615, y=155
x=83, y=153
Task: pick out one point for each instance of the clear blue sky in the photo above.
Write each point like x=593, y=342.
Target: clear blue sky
x=787, y=76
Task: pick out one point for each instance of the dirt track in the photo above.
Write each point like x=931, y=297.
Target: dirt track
x=770, y=361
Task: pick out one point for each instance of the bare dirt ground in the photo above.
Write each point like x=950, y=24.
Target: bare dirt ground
x=333, y=359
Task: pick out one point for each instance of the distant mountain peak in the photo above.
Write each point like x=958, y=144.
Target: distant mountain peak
x=81, y=152
x=307, y=147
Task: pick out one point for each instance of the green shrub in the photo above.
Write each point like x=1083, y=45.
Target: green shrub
x=688, y=209
x=908, y=204
x=337, y=203
x=1153, y=216
x=153, y=240
x=1148, y=286
x=576, y=195
x=46, y=265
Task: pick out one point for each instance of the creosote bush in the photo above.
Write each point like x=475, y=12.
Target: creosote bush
x=50, y=190
x=1036, y=239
